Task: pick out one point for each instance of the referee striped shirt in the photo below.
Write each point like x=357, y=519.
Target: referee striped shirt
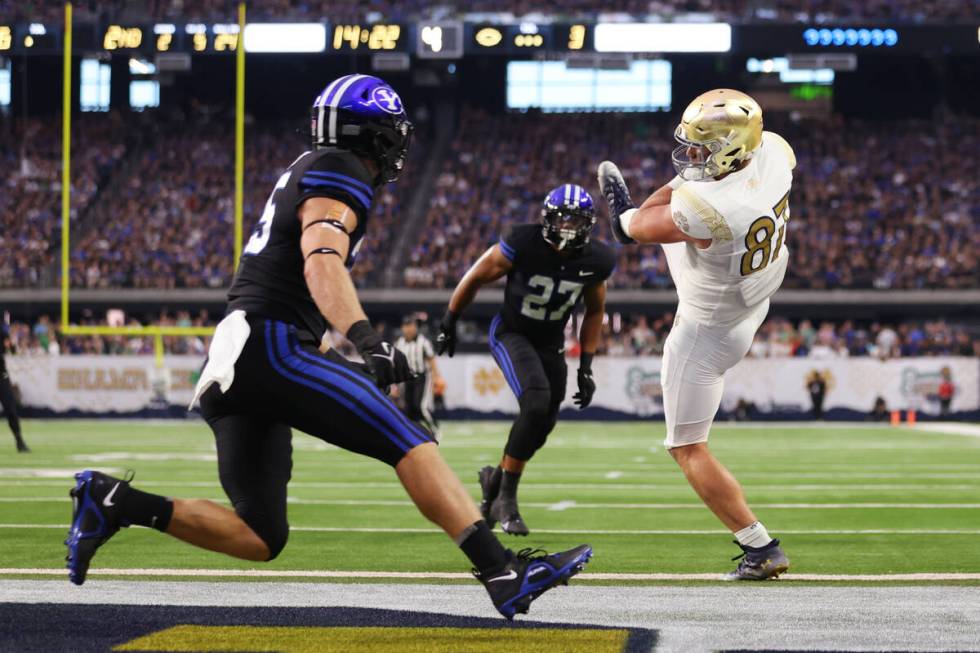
x=417, y=351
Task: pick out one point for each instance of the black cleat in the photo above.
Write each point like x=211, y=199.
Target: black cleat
x=22, y=447
x=96, y=516
x=504, y=510
x=529, y=574
x=617, y=196
x=489, y=486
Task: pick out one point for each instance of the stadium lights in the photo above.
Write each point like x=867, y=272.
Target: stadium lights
x=285, y=37
x=663, y=37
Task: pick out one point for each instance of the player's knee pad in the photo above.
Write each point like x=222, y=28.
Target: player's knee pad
x=536, y=406
x=271, y=529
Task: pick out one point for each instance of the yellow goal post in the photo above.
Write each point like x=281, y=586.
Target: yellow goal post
x=158, y=332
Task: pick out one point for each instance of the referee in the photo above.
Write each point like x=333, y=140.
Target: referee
x=7, y=399
x=422, y=361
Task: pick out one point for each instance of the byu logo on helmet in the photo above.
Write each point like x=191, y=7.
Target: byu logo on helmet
x=387, y=100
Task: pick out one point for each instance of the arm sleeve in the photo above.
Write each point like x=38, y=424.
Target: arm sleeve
x=696, y=217
x=340, y=178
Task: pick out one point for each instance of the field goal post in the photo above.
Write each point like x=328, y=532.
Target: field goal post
x=156, y=331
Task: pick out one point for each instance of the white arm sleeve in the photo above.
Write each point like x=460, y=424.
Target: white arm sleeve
x=695, y=217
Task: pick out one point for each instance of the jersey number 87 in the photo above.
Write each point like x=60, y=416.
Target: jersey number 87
x=759, y=238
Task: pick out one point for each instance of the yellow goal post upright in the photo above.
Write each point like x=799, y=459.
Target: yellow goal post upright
x=156, y=331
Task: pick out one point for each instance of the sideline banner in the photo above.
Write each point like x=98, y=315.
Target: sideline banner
x=627, y=386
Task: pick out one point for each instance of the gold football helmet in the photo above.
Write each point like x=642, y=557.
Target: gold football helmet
x=719, y=130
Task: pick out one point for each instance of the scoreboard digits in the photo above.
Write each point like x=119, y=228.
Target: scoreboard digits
x=382, y=36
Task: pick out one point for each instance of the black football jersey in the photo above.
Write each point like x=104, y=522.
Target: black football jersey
x=544, y=286
x=270, y=282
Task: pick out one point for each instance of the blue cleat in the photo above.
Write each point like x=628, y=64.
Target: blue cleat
x=759, y=564
x=529, y=574
x=96, y=516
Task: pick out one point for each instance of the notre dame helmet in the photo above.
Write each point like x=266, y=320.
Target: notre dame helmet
x=567, y=217
x=727, y=123
x=365, y=115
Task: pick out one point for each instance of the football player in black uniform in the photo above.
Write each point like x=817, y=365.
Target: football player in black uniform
x=549, y=267
x=265, y=372
x=7, y=398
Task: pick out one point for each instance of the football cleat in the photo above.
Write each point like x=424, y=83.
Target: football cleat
x=529, y=574
x=504, y=510
x=489, y=487
x=759, y=564
x=22, y=447
x=617, y=196
x=96, y=516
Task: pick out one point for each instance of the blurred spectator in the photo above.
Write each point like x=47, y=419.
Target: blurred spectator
x=816, y=386
x=946, y=391
x=879, y=412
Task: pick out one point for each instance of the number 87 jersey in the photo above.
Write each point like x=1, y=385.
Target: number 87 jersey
x=545, y=284
x=745, y=215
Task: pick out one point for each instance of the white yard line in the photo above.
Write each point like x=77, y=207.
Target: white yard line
x=546, y=531
x=436, y=575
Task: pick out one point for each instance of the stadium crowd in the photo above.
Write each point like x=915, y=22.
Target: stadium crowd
x=874, y=205
x=167, y=219
x=824, y=11
x=623, y=335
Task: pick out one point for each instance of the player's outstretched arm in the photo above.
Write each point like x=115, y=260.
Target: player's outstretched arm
x=326, y=224
x=651, y=223
x=487, y=269
x=589, y=333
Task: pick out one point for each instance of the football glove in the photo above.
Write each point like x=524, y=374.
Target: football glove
x=446, y=340
x=617, y=196
x=386, y=364
x=586, y=383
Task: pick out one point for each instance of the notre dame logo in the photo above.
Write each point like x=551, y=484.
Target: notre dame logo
x=488, y=381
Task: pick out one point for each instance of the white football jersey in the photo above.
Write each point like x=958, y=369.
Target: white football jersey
x=745, y=216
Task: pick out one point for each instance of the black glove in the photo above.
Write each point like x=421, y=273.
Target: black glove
x=586, y=384
x=446, y=340
x=617, y=196
x=386, y=364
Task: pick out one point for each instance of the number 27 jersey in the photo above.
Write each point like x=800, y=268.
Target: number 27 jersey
x=745, y=215
x=544, y=286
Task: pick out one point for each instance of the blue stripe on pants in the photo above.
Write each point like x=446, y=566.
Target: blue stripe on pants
x=502, y=356
x=380, y=407
x=324, y=387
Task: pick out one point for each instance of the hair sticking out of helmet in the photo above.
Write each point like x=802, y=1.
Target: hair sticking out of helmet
x=365, y=115
x=567, y=217
x=718, y=131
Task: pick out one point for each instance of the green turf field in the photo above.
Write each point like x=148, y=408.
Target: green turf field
x=845, y=499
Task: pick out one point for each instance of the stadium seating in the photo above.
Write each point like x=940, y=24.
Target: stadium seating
x=824, y=11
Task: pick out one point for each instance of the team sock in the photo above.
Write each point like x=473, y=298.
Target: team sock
x=145, y=509
x=508, y=484
x=482, y=548
x=754, y=536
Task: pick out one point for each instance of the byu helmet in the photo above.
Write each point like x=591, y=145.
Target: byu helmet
x=365, y=115
x=567, y=217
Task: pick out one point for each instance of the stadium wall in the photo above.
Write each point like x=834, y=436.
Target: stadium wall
x=629, y=388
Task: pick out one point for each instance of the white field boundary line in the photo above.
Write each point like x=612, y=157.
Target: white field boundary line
x=950, y=428
x=436, y=575
x=568, y=505
x=546, y=531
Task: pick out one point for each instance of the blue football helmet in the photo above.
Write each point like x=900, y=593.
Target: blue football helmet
x=365, y=115
x=567, y=217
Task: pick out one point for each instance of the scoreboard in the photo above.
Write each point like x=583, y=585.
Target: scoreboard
x=453, y=39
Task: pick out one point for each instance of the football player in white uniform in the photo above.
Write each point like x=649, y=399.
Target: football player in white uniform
x=722, y=223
